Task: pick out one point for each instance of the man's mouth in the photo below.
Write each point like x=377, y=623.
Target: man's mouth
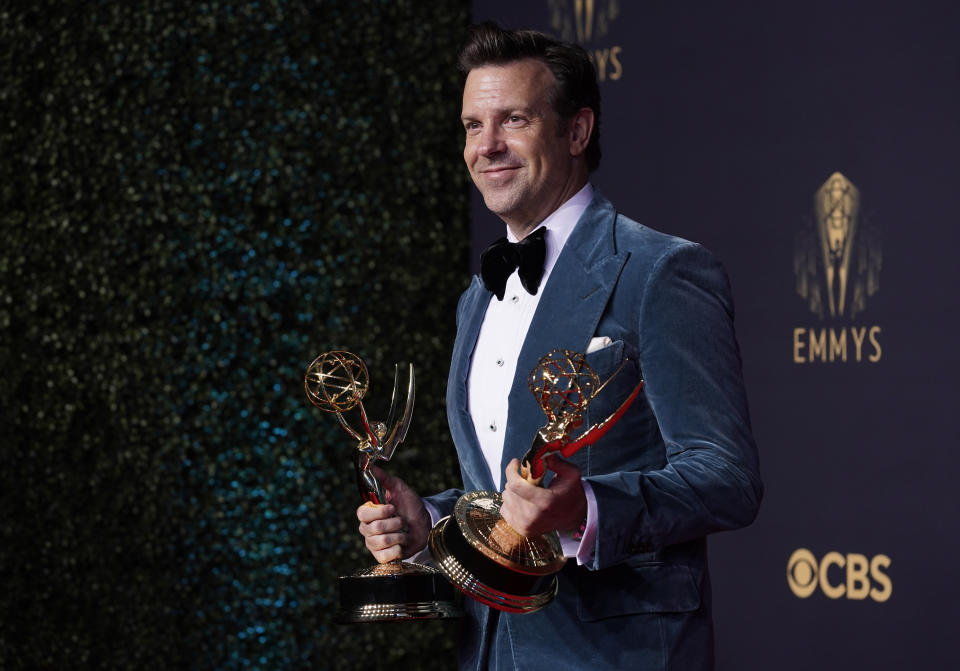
x=499, y=169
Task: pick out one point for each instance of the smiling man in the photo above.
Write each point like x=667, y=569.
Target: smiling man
x=634, y=510
x=517, y=147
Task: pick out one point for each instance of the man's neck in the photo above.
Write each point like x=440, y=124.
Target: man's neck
x=562, y=220
x=522, y=228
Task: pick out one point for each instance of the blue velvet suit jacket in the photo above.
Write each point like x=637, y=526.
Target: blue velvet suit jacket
x=681, y=464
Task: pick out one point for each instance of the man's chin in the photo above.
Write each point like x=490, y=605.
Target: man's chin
x=499, y=199
x=500, y=206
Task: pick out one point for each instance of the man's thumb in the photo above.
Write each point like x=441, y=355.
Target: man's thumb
x=563, y=468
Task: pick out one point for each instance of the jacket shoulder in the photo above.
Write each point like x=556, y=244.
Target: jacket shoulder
x=632, y=234
x=647, y=246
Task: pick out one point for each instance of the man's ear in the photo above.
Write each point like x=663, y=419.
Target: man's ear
x=579, y=131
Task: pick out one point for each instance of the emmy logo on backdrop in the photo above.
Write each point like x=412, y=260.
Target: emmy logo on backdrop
x=336, y=382
x=482, y=555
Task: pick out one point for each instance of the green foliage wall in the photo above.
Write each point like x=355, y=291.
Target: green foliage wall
x=198, y=198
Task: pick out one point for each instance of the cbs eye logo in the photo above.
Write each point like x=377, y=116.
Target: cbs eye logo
x=852, y=575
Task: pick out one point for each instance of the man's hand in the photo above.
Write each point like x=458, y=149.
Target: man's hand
x=398, y=528
x=533, y=510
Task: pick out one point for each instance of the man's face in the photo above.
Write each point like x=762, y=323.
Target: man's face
x=516, y=156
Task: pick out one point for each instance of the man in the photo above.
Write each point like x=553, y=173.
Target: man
x=633, y=510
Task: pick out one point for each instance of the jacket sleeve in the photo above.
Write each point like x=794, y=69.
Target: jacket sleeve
x=704, y=476
x=443, y=502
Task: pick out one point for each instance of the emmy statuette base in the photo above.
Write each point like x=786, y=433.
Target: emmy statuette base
x=490, y=562
x=394, y=592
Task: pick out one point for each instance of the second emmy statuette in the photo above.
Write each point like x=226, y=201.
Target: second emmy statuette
x=336, y=382
x=482, y=555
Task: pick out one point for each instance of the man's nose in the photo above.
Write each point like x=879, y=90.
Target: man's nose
x=492, y=141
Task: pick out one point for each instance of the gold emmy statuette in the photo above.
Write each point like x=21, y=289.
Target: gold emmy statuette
x=482, y=555
x=336, y=382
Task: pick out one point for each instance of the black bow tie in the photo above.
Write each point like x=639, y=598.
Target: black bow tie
x=500, y=259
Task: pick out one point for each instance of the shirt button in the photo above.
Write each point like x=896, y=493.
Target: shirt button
x=493, y=426
x=500, y=362
x=515, y=299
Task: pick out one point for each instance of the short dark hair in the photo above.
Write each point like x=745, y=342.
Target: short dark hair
x=489, y=44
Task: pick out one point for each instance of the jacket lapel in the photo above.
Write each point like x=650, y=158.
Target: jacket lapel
x=473, y=466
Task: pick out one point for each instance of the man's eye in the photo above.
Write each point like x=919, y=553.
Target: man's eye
x=471, y=126
x=515, y=120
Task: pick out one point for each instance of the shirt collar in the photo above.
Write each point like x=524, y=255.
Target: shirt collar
x=560, y=225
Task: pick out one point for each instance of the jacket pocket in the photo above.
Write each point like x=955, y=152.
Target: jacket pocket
x=619, y=384
x=605, y=360
x=655, y=587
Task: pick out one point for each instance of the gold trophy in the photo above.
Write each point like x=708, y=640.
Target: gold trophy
x=482, y=555
x=336, y=382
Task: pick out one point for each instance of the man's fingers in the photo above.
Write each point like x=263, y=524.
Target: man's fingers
x=524, y=491
x=383, y=541
x=516, y=505
x=389, y=525
x=518, y=484
x=510, y=513
x=392, y=553
x=370, y=512
x=389, y=528
x=518, y=511
x=512, y=471
x=384, y=538
x=564, y=471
